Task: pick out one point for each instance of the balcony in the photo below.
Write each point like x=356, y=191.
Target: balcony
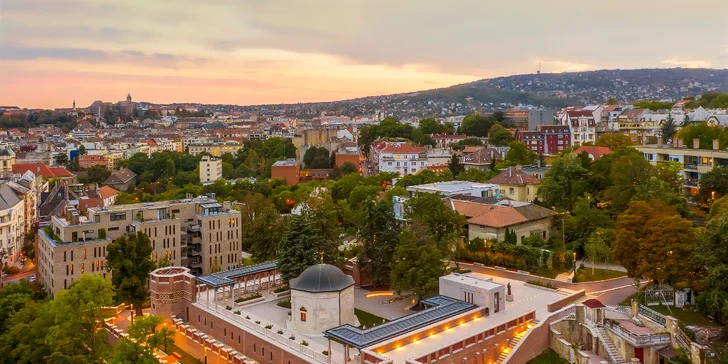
x=691, y=182
x=691, y=166
x=194, y=252
x=195, y=263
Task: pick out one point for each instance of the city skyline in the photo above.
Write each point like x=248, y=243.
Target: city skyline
x=255, y=53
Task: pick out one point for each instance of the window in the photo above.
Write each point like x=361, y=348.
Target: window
x=511, y=191
x=528, y=191
x=303, y=314
x=117, y=216
x=468, y=297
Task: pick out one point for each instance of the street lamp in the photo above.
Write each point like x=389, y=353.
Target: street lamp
x=574, y=263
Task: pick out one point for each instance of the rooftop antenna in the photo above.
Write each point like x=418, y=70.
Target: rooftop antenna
x=538, y=72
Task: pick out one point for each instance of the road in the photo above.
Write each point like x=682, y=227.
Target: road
x=15, y=278
x=609, y=292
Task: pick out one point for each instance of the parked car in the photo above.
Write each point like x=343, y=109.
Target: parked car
x=32, y=278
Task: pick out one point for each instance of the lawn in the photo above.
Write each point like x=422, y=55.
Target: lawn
x=686, y=317
x=186, y=358
x=367, y=319
x=549, y=273
x=585, y=274
x=548, y=357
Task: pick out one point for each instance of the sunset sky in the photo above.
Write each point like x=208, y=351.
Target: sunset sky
x=273, y=51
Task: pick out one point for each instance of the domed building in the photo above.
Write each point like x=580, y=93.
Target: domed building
x=322, y=297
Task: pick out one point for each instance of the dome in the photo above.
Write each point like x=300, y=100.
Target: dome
x=322, y=278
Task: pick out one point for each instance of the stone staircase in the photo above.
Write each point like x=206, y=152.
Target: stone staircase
x=614, y=355
x=512, y=344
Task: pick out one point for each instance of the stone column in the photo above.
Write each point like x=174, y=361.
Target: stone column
x=329, y=351
x=635, y=305
x=671, y=324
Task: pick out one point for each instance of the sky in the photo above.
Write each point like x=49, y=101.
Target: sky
x=284, y=51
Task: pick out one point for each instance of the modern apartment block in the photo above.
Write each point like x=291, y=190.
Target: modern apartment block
x=210, y=169
x=198, y=233
x=695, y=161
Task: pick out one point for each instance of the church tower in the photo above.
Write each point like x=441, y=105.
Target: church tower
x=128, y=98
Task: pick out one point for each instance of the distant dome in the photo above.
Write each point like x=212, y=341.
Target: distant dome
x=322, y=278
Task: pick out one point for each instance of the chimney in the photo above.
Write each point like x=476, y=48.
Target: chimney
x=716, y=144
x=659, y=142
x=696, y=143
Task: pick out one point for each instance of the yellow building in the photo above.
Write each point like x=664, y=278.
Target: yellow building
x=516, y=184
x=215, y=149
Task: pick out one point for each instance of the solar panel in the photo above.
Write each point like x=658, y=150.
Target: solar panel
x=441, y=307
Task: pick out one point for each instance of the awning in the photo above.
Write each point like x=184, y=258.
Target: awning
x=668, y=352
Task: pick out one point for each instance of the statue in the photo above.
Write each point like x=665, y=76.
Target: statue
x=509, y=288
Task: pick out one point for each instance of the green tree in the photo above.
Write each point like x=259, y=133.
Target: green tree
x=711, y=258
x=714, y=183
x=499, y=136
x=379, y=232
x=430, y=126
x=314, y=158
x=628, y=171
x=443, y=223
x=454, y=165
x=612, y=101
x=82, y=150
x=417, y=262
x=130, y=262
x=520, y=154
x=668, y=129
x=476, y=125
x=345, y=169
x=597, y=247
x=312, y=237
x=61, y=159
x=143, y=339
x=614, y=141
x=564, y=182
x=704, y=133
x=652, y=240
x=264, y=229
x=95, y=174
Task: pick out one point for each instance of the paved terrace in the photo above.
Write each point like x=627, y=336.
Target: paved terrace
x=526, y=299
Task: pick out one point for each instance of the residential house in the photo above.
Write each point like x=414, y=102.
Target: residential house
x=404, y=159
x=121, y=179
x=12, y=223
x=87, y=161
x=546, y=139
x=480, y=158
x=444, y=140
x=489, y=222
x=43, y=170
x=582, y=125
x=516, y=184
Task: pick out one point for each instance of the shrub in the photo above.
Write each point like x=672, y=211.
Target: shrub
x=268, y=327
x=284, y=304
x=542, y=284
x=292, y=337
x=102, y=233
x=248, y=298
x=304, y=343
x=461, y=271
x=228, y=308
x=257, y=322
x=237, y=312
x=247, y=317
x=11, y=270
x=325, y=352
x=282, y=289
x=280, y=332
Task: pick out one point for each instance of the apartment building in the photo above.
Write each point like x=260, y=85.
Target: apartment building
x=583, y=126
x=404, y=159
x=210, y=169
x=215, y=149
x=198, y=233
x=695, y=161
x=12, y=223
x=546, y=139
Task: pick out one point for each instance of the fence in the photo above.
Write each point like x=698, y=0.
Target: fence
x=653, y=315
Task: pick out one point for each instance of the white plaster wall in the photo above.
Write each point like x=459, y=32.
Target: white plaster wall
x=482, y=296
x=322, y=310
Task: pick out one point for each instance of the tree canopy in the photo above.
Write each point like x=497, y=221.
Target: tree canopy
x=129, y=260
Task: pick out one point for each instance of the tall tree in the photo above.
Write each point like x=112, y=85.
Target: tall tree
x=265, y=227
x=614, y=141
x=499, y=136
x=129, y=260
x=668, y=129
x=714, y=183
x=312, y=237
x=652, y=241
x=627, y=172
x=564, y=182
x=379, y=233
x=711, y=258
x=417, y=262
x=597, y=247
x=520, y=154
x=95, y=174
x=454, y=166
x=476, y=125
x=61, y=159
x=143, y=340
x=430, y=126
x=444, y=224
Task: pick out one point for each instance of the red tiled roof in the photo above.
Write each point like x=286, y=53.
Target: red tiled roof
x=580, y=113
x=514, y=176
x=404, y=148
x=592, y=303
x=107, y=192
x=40, y=169
x=499, y=216
x=593, y=150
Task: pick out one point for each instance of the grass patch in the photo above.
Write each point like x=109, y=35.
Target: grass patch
x=284, y=304
x=686, y=317
x=542, y=284
x=548, y=357
x=585, y=274
x=367, y=319
x=186, y=358
x=549, y=273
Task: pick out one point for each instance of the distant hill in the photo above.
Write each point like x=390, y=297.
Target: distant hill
x=553, y=90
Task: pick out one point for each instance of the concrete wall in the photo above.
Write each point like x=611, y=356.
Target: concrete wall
x=483, y=296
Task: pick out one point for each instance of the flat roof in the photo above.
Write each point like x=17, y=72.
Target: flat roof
x=442, y=307
x=287, y=162
x=451, y=187
x=226, y=278
x=473, y=281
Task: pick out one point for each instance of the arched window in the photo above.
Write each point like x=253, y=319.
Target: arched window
x=303, y=314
